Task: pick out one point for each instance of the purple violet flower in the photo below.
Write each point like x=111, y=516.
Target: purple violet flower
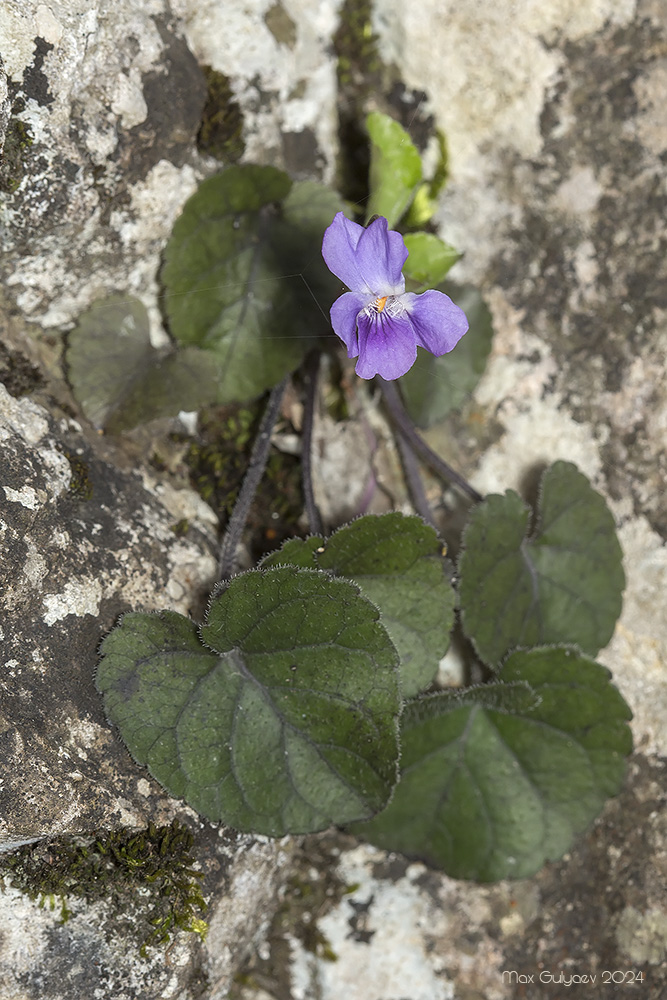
x=377, y=319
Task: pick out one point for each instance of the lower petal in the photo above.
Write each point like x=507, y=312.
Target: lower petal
x=438, y=322
x=386, y=346
x=344, y=314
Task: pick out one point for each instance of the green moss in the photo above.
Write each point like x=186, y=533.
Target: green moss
x=221, y=131
x=145, y=877
x=181, y=527
x=356, y=46
x=18, y=140
x=80, y=487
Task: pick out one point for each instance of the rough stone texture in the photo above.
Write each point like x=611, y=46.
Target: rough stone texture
x=555, y=119
x=107, y=102
x=84, y=541
x=85, y=958
x=113, y=96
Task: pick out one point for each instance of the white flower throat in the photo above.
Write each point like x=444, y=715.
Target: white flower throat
x=387, y=305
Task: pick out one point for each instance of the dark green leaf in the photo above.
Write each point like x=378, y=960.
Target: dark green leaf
x=435, y=386
x=499, y=780
x=563, y=584
x=244, y=278
x=430, y=259
x=397, y=562
x=283, y=719
x=395, y=169
x=311, y=207
x=119, y=380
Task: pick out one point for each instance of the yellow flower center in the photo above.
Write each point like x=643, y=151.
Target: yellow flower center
x=381, y=303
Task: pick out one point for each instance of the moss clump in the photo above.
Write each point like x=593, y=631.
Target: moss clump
x=356, y=46
x=80, y=487
x=146, y=878
x=181, y=528
x=218, y=461
x=221, y=130
x=18, y=140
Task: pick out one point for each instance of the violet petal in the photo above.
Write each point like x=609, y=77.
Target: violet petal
x=438, y=322
x=344, y=314
x=339, y=251
x=381, y=254
x=386, y=345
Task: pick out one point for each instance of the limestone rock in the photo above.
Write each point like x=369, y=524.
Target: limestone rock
x=83, y=542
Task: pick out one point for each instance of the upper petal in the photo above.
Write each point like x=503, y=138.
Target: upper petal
x=344, y=314
x=339, y=251
x=381, y=254
x=366, y=260
x=438, y=322
x=386, y=345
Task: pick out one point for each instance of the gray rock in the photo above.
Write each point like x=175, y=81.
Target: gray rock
x=83, y=542
x=557, y=196
x=555, y=121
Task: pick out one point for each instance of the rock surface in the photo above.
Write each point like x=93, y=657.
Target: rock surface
x=554, y=115
x=557, y=195
x=83, y=542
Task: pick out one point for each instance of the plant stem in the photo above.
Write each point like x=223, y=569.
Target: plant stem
x=402, y=421
x=258, y=460
x=310, y=370
x=413, y=479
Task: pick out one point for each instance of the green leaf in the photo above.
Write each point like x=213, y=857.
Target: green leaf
x=436, y=386
x=425, y=201
x=499, y=780
x=244, y=278
x=119, y=380
x=397, y=563
x=562, y=584
x=422, y=209
x=430, y=259
x=279, y=717
x=311, y=208
x=395, y=169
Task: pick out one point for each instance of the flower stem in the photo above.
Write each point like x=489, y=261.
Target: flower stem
x=258, y=460
x=413, y=479
x=310, y=371
x=398, y=414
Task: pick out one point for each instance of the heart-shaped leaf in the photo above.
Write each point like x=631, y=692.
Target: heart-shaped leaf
x=499, y=780
x=244, y=277
x=397, y=563
x=436, y=386
x=280, y=717
x=395, y=169
x=561, y=584
x=119, y=380
x=429, y=258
